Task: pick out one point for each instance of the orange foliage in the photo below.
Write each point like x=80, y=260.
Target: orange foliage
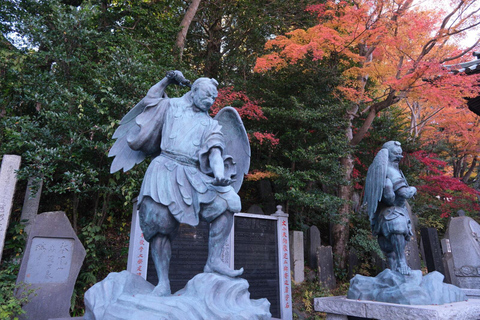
x=398, y=48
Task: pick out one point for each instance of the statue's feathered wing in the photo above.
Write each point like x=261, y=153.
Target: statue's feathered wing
x=125, y=157
x=236, y=142
x=375, y=183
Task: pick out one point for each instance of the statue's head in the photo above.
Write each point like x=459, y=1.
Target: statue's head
x=394, y=151
x=204, y=92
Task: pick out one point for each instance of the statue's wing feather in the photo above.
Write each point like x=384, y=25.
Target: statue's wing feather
x=376, y=175
x=125, y=157
x=236, y=142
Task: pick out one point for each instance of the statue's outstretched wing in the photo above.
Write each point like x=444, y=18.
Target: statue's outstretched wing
x=126, y=157
x=236, y=142
x=375, y=183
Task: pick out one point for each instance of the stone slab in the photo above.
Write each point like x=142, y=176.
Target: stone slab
x=297, y=260
x=433, y=252
x=326, y=275
x=8, y=180
x=464, y=239
x=341, y=306
x=31, y=202
x=472, y=293
x=313, y=241
x=51, y=263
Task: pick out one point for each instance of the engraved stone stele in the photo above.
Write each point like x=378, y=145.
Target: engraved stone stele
x=31, y=202
x=313, y=242
x=433, y=252
x=326, y=276
x=50, y=266
x=464, y=235
x=8, y=180
x=297, y=256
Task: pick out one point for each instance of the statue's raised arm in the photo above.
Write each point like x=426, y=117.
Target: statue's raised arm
x=127, y=154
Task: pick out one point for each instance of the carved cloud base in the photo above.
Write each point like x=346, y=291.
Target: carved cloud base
x=125, y=296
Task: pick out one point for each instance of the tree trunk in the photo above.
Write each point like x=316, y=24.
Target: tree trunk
x=184, y=25
x=214, y=44
x=340, y=229
x=470, y=170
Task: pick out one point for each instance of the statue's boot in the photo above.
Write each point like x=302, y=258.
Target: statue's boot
x=219, y=230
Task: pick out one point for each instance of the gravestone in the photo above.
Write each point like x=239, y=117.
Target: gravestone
x=31, y=203
x=464, y=237
x=412, y=252
x=448, y=262
x=326, y=276
x=8, y=180
x=50, y=266
x=433, y=252
x=255, y=209
x=353, y=263
x=313, y=242
x=297, y=260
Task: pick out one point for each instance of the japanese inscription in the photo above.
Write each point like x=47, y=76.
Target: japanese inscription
x=50, y=260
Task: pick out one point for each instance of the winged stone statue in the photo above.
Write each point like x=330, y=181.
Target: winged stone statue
x=386, y=191
x=197, y=168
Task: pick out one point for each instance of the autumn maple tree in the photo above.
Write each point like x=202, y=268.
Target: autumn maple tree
x=388, y=50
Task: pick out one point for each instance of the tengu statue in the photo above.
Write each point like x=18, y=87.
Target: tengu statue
x=386, y=191
x=197, y=168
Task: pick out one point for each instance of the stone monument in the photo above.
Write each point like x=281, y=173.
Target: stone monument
x=197, y=169
x=464, y=237
x=8, y=180
x=50, y=266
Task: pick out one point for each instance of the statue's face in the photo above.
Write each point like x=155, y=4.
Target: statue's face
x=204, y=97
x=395, y=154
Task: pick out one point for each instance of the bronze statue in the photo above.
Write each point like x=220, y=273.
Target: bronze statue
x=197, y=168
x=386, y=190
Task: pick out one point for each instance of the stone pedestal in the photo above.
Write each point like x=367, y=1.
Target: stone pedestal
x=339, y=308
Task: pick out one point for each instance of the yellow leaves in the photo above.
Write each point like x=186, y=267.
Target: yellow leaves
x=260, y=175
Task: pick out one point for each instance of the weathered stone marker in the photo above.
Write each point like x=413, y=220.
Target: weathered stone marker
x=433, y=252
x=50, y=266
x=313, y=242
x=297, y=260
x=8, y=180
x=31, y=203
x=326, y=276
x=464, y=238
x=412, y=252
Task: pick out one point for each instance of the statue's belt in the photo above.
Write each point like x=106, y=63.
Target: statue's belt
x=182, y=159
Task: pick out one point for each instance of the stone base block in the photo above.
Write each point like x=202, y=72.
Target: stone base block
x=472, y=293
x=339, y=308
